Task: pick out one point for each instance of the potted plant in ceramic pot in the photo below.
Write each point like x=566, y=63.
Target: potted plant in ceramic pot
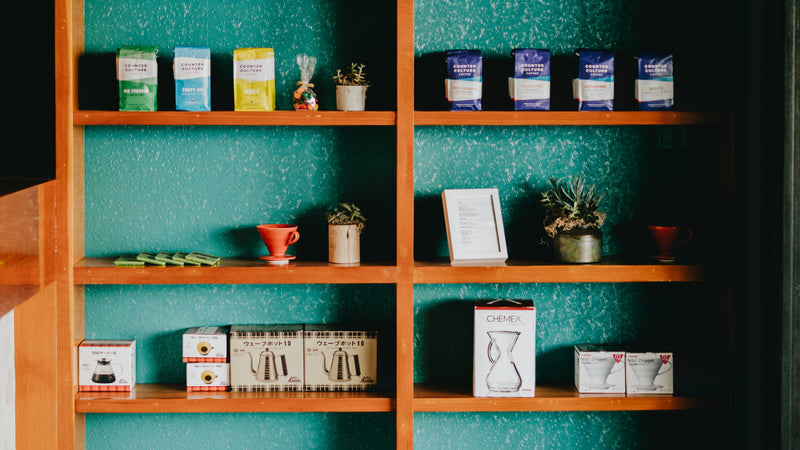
x=351, y=88
x=573, y=220
x=345, y=224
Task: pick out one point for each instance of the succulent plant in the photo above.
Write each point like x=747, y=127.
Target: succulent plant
x=355, y=75
x=346, y=213
x=571, y=205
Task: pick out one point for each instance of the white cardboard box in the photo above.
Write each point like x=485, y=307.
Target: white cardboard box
x=599, y=369
x=650, y=372
x=504, y=358
x=207, y=376
x=339, y=358
x=107, y=365
x=205, y=344
x=266, y=357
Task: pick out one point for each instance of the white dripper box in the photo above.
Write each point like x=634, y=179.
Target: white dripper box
x=504, y=359
x=599, y=369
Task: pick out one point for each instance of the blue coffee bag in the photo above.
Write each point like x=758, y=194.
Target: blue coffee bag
x=464, y=82
x=530, y=86
x=654, y=85
x=594, y=87
x=192, y=69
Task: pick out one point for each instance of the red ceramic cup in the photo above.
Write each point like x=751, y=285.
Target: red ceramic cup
x=278, y=237
x=666, y=237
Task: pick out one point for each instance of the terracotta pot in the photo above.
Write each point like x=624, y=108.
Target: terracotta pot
x=580, y=248
x=344, y=244
x=351, y=98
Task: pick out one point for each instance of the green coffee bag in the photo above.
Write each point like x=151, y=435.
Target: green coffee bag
x=137, y=73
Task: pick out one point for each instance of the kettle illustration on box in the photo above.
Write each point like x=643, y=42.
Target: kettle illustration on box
x=104, y=372
x=267, y=370
x=340, y=366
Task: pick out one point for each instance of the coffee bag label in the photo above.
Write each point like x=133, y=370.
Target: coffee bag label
x=192, y=70
x=530, y=86
x=464, y=82
x=654, y=85
x=254, y=79
x=594, y=87
x=137, y=75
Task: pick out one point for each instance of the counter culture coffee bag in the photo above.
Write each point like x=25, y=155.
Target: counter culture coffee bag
x=137, y=73
x=654, y=84
x=192, y=69
x=594, y=87
x=254, y=79
x=464, y=82
x=530, y=86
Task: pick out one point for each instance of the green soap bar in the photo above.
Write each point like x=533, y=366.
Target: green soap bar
x=150, y=258
x=181, y=256
x=167, y=258
x=128, y=261
x=203, y=258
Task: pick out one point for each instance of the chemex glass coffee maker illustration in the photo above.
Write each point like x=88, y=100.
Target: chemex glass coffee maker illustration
x=503, y=375
x=340, y=370
x=267, y=370
x=104, y=371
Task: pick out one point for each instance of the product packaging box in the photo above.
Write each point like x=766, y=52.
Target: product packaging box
x=599, y=369
x=207, y=376
x=137, y=75
x=266, y=358
x=205, y=344
x=654, y=85
x=254, y=79
x=529, y=88
x=504, y=360
x=107, y=365
x=594, y=87
x=649, y=372
x=464, y=82
x=339, y=358
x=191, y=67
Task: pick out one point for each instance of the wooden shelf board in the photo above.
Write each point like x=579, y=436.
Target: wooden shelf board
x=256, y=118
x=234, y=271
x=432, y=398
x=610, y=270
x=173, y=398
x=566, y=118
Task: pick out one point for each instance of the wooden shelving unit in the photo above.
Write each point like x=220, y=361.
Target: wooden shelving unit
x=75, y=270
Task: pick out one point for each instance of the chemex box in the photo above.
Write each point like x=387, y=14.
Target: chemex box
x=266, y=357
x=504, y=360
x=649, y=372
x=340, y=358
x=107, y=365
x=599, y=369
x=207, y=376
x=205, y=344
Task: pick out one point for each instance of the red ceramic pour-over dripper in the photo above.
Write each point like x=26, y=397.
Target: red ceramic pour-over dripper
x=278, y=237
x=666, y=237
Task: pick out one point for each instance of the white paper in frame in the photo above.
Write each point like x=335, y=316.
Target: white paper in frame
x=474, y=223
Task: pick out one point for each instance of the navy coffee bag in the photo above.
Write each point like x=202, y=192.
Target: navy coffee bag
x=530, y=86
x=464, y=82
x=594, y=87
x=654, y=84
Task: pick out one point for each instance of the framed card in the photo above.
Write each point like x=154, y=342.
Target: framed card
x=474, y=223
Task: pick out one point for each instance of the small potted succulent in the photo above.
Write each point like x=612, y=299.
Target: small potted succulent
x=351, y=88
x=345, y=224
x=573, y=220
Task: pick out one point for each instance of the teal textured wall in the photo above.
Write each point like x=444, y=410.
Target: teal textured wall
x=205, y=188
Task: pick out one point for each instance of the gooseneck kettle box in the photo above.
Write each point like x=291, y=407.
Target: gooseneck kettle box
x=266, y=357
x=339, y=358
x=205, y=344
x=107, y=365
x=504, y=359
x=599, y=369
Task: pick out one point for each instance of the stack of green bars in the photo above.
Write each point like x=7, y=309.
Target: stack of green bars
x=164, y=258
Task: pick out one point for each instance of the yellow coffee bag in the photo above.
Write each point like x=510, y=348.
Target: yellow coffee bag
x=254, y=79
